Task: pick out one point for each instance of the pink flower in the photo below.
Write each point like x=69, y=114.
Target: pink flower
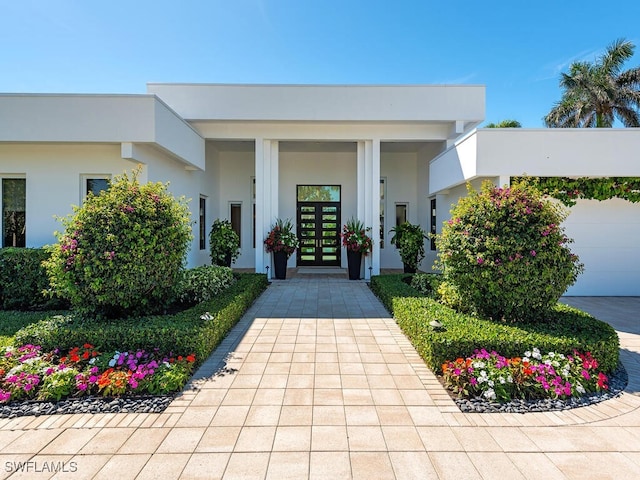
x=480, y=260
x=533, y=253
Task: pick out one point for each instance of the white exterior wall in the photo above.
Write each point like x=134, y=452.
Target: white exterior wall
x=231, y=176
x=317, y=168
x=182, y=183
x=425, y=154
x=53, y=180
x=400, y=171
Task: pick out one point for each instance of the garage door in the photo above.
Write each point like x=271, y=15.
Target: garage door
x=607, y=239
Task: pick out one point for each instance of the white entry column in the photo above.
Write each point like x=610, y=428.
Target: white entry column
x=266, y=167
x=368, y=199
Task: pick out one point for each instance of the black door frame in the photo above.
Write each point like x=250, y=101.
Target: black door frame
x=319, y=236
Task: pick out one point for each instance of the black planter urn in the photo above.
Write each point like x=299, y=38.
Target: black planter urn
x=354, y=260
x=280, y=265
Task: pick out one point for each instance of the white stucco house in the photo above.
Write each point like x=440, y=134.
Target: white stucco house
x=317, y=154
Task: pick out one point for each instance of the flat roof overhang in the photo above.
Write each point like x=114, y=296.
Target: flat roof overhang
x=550, y=152
x=81, y=118
x=326, y=103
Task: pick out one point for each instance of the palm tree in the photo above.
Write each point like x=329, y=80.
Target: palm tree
x=504, y=124
x=595, y=94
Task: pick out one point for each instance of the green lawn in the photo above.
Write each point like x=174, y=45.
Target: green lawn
x=11, y=321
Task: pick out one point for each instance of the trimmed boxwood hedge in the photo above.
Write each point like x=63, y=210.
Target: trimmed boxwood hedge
x=461, y=334
x=182, y=333
x=23, y=280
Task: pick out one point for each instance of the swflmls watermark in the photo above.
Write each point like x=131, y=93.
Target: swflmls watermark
x=33, y=466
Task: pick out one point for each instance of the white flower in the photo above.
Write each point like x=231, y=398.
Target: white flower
x=526, y=358
x=536, y=354
x=580, y=388
x=502, y=380
x=206, y=316
x=478, y=364
x=509, y=379
x=527, y=354
x=490, y=383
x=112, y=362
x=551, y=354
x=490, y=394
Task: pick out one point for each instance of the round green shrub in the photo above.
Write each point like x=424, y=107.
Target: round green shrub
x=224, y=243
x=504, y=254
x=204, y=283
x=122, y=252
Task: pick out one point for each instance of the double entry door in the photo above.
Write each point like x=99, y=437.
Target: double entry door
x=319, y=232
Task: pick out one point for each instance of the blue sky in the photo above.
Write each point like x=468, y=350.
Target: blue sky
x=515, y=48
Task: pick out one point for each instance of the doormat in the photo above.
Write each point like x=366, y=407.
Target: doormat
x=321, y=271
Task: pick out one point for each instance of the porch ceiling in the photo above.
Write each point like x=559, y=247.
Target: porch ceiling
x=316, y=146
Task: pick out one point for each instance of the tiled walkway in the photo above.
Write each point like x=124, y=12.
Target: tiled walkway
x=318, y=382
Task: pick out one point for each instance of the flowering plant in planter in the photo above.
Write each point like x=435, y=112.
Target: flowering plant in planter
x=281, y=238
x=355, y=238
x=532, y=376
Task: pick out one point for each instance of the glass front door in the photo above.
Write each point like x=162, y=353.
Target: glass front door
x=318, y=225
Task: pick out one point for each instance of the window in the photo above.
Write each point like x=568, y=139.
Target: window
x=383, y=191
x=433, y=220
x=401, y=213
x=94, y=183
x=202, y=227
x=236, y=219
x=14, y=202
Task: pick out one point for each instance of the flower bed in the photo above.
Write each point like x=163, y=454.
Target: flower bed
x=440, y=334
x=29, y=373
x=459, y=335
x=532, y=376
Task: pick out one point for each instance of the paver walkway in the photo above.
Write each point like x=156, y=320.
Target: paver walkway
x=317, y=381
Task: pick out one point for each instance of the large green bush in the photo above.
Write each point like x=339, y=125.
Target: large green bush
x=23, y=280
x=461, y=334
x=122, y=252
x=197, y=330
x=504, y=254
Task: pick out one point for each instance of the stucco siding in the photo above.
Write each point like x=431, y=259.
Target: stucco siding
x=400, y=171
x=232, y=174
x=53, y=180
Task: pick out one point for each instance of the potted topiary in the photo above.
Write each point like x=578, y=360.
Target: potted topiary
x=409, y=239
x=224, y=243
x=282, y=242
